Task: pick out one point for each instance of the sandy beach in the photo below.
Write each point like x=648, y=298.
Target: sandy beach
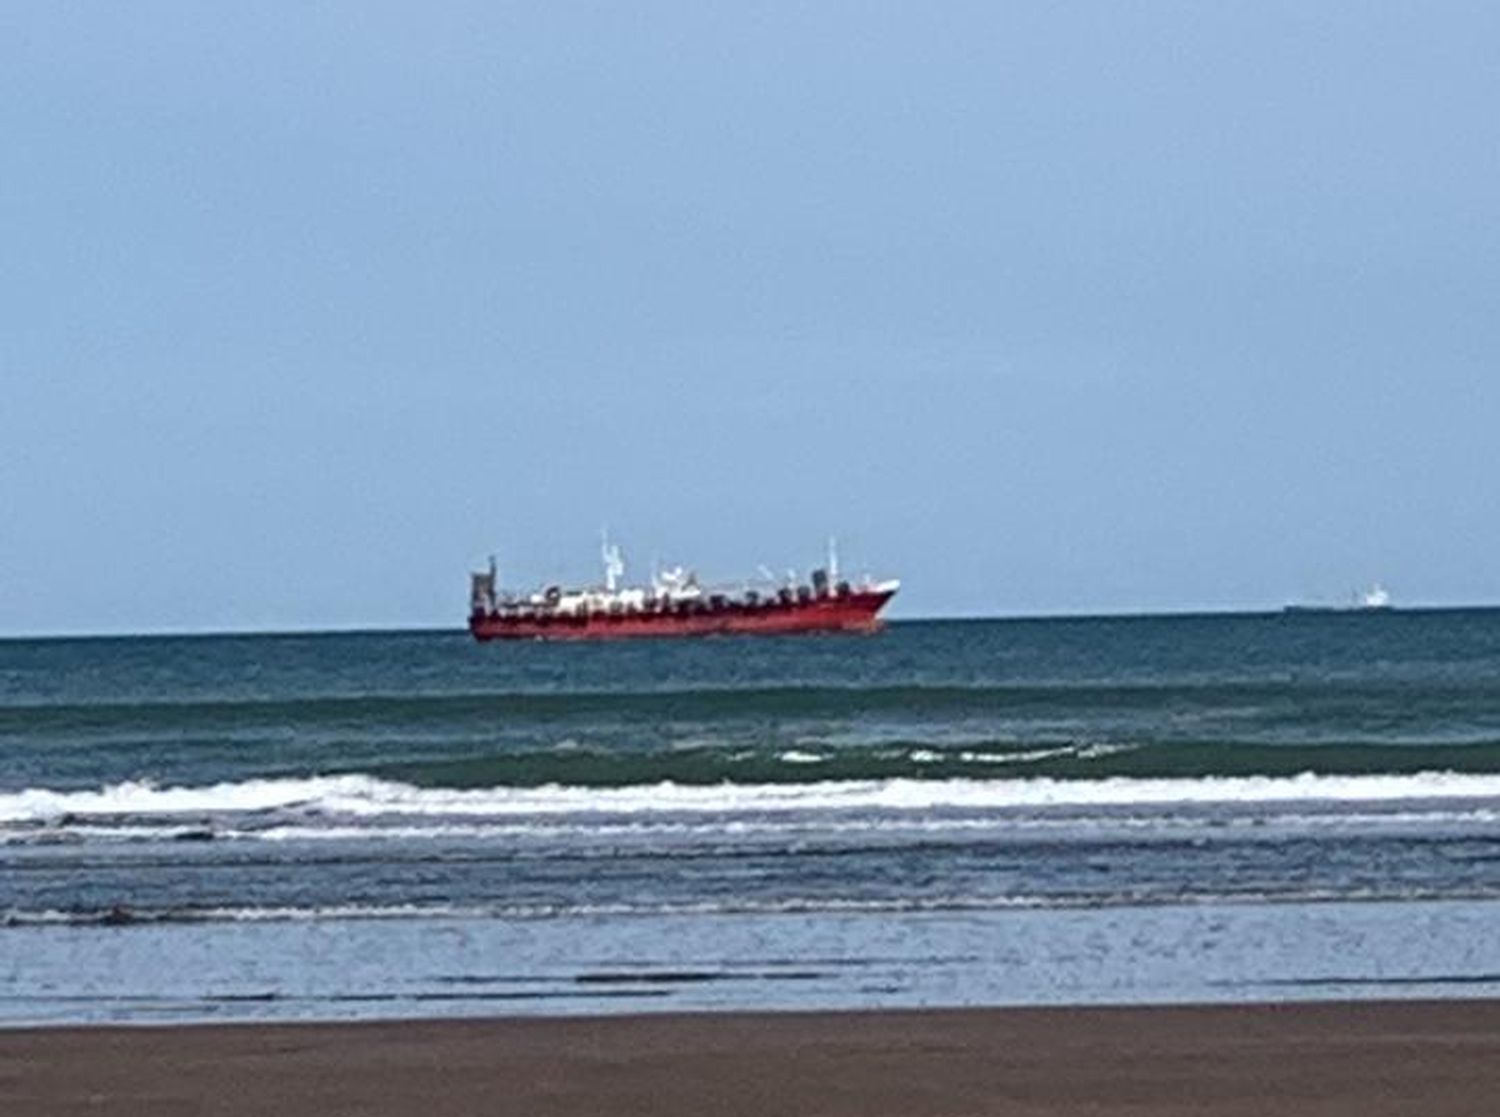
x=1366, y=1058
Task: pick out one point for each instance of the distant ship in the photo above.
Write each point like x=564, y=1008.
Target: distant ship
x=675, y=604
x=1376, y=599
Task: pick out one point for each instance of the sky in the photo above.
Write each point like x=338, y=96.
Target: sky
x=305, y=309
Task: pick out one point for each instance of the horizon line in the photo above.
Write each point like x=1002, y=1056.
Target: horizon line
x=946, y=618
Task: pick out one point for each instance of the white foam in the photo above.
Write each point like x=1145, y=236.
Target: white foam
x=367, y=797
x=1026, y=757
x=798, y=756
x=892, y=826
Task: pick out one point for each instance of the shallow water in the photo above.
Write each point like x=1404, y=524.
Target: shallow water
x=365, y=969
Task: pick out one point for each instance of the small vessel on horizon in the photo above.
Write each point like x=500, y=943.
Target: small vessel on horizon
x=1376, y=599
x=676, y=604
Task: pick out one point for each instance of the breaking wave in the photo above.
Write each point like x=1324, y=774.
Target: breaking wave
x=819, y=759
x=365, y=796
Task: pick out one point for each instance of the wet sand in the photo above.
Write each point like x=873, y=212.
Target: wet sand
x=1364, y=1058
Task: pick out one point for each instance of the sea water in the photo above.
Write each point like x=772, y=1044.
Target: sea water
x=987, y=812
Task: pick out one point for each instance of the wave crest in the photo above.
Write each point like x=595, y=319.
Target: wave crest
x=366, y=796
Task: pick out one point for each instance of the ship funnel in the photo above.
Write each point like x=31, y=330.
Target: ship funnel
x=482, y=589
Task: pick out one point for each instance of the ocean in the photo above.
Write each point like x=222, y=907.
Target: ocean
x=1101, y=810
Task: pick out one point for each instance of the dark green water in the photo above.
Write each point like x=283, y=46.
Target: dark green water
x=1072, y=699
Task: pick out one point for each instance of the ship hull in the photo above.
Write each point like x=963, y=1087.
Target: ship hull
x=857, y=612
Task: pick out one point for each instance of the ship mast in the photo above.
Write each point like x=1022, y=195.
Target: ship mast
x=614, y=562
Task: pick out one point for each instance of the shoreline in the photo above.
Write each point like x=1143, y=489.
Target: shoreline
x=1371, y=1057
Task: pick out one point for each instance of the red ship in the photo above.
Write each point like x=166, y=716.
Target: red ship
x=674, y=604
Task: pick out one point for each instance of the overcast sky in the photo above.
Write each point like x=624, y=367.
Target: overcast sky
x=1042, y=307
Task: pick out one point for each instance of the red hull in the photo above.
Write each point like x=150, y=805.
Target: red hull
x=855, y=611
